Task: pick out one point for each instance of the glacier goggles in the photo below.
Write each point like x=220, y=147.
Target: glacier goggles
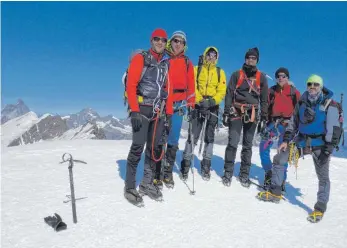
x=309, y=84
x=178, y=41
x=156, y=39
x=281, y=76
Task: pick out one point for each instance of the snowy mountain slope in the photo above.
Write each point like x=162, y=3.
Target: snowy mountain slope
x=11, y=111
x=34, y=186
x=87, y=131
x=17, y=126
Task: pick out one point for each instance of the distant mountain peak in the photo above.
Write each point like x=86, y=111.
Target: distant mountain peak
x=11, y=111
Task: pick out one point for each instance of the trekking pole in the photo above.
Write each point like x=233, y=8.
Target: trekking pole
x=202, y=134
x=73, y=199
x=341, y=121
x=191, y=136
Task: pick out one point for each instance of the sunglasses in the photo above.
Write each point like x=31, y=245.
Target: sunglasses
x=281, y=76
x=156, y=39
x=252, y=57
x=314, y=84
x=177, y=41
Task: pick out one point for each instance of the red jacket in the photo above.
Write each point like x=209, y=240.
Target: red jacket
x=283, y=104
x=182, y=80
x=134, y=76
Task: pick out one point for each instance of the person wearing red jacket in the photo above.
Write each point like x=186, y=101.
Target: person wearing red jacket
x=282, y=100
x=150, y=101
x=181, y=78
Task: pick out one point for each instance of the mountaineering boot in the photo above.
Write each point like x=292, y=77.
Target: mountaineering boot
x=206, y=169
x=168, y=180
x=158, y=183
x=226, y=179
x=269, y=197
x=315, y=216
x=133, y=197
x=267, y=180
x=185, y=165
x=245, y=182
x=170, y=158
x=151, y=190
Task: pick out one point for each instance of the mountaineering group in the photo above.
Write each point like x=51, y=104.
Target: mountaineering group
x=162, y=87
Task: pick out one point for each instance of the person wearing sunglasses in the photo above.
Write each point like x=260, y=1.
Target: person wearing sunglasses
x=315, y=129
x=148, y=92
x=282, y=100
x=181, y=78
x=247, y=89
x=209, y=92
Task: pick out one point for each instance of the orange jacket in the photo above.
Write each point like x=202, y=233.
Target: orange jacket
x=182, y=79
x=134, y=76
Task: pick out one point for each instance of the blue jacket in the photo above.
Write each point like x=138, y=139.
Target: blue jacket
x=313, y=123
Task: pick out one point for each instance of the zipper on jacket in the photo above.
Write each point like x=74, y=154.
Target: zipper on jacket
x=208, y=74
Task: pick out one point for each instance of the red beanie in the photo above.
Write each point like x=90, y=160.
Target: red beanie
x=159, y=33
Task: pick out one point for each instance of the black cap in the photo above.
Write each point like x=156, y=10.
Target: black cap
x=283, y=70
x=253, y=52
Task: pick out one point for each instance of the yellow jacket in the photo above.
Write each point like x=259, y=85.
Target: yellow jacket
x=207, y=84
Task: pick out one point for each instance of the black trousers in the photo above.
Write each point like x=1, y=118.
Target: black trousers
x=235, y=127
x=151, y=131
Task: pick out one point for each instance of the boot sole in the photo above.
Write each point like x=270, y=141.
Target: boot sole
x=227, y=184
x=183, y=178
x=312, y=220
x=264, y=200
x=169, y=185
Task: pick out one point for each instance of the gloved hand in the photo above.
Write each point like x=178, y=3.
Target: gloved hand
x=136, y=121
x=192, y=114
x=262, y=127
x=204, y=104
x=226, y=119
x=207, y=103
x=327, y=149
x=56, y=222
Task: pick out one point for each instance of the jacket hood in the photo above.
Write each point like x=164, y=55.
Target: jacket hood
x=205, y=52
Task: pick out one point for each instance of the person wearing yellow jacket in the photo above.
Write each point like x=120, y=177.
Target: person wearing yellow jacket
x=210, y=90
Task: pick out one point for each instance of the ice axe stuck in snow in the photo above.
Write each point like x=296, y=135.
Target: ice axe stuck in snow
x=67, y=157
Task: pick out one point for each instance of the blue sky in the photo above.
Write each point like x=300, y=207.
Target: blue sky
x=60, y=57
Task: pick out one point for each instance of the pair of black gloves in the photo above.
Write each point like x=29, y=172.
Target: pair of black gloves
x=206, y=104
x=136, y=120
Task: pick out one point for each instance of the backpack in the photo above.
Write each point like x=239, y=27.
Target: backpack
x=339, y=133
x=147, y=61
x=242, y=77
x=272, y=91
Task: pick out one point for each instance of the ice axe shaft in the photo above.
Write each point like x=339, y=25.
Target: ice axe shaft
x=72, y=188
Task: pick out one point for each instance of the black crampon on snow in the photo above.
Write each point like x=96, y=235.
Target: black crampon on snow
x=151, y=190
x=134, y=197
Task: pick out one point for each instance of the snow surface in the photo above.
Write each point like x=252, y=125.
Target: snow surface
x=34, y=185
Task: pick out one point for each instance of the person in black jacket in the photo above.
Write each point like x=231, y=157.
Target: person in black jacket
x=247, y=90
